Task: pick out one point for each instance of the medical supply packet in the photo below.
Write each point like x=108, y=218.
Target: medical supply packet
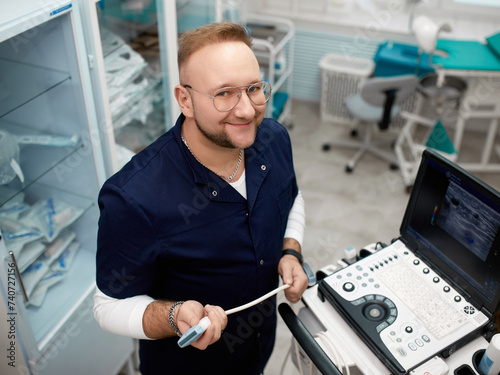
x=16, y=234
x=56, y=273
x=39, y=268
x=50, y=216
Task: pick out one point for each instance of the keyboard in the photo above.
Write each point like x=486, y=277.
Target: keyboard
x=437, y=314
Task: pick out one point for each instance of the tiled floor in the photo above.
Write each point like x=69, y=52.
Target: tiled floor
x=342, y=209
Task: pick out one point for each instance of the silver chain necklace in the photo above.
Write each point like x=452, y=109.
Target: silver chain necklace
x=230, y=178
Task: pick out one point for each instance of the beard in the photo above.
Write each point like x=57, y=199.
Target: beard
x=221, y=138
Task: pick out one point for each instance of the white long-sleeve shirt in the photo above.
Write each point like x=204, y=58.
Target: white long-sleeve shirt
x=124, y=316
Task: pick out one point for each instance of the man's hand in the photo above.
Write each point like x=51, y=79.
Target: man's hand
x=191, y=312
x=293, y=274
x=156, y=321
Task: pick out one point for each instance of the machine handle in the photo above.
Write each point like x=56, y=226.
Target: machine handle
x=307, y=342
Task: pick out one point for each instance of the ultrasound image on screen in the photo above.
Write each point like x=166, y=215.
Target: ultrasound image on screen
x=468, y=220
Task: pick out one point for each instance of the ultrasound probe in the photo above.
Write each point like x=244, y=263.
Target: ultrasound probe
x=195, y=332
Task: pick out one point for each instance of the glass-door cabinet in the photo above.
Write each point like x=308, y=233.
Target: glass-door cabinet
x=133, y=45
x=51, y=168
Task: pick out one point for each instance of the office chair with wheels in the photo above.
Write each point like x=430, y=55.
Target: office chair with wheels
x=377, y=103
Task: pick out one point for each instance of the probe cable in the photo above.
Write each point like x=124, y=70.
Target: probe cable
x=195, y=332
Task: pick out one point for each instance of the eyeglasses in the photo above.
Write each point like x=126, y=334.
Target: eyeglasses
x=227, y=98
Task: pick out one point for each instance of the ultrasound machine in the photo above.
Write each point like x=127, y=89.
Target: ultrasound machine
x=424, y=304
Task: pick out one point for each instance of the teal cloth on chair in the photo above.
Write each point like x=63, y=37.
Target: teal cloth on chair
x=493, y=42
x=467, y=55
x=439, y=140
x=398, y=58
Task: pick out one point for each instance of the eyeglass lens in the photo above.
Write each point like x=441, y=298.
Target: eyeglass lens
x=227, y=98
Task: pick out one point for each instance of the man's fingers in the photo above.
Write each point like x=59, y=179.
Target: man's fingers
x=219, y=321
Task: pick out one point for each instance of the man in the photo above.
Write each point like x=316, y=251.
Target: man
x=200, y=216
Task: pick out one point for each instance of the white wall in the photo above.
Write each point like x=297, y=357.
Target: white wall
x=383, y=16
x=322, y=26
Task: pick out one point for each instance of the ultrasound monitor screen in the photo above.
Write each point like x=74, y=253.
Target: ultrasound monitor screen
x=468, y=220
x=453, y=220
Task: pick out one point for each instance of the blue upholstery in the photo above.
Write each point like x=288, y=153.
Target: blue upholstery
x=367, y=112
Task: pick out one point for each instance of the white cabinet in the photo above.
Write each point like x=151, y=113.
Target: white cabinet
x=51, y=169
x=273, y=42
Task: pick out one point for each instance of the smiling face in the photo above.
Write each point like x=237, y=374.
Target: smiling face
x=225, y=64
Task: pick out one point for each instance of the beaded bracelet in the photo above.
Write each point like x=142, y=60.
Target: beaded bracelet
x=171, y=317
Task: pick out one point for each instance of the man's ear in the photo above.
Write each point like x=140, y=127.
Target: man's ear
x=184, y=100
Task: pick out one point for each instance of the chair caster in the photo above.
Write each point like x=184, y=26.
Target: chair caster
x=394, y=167
x=349, y=169
x=326, y=147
